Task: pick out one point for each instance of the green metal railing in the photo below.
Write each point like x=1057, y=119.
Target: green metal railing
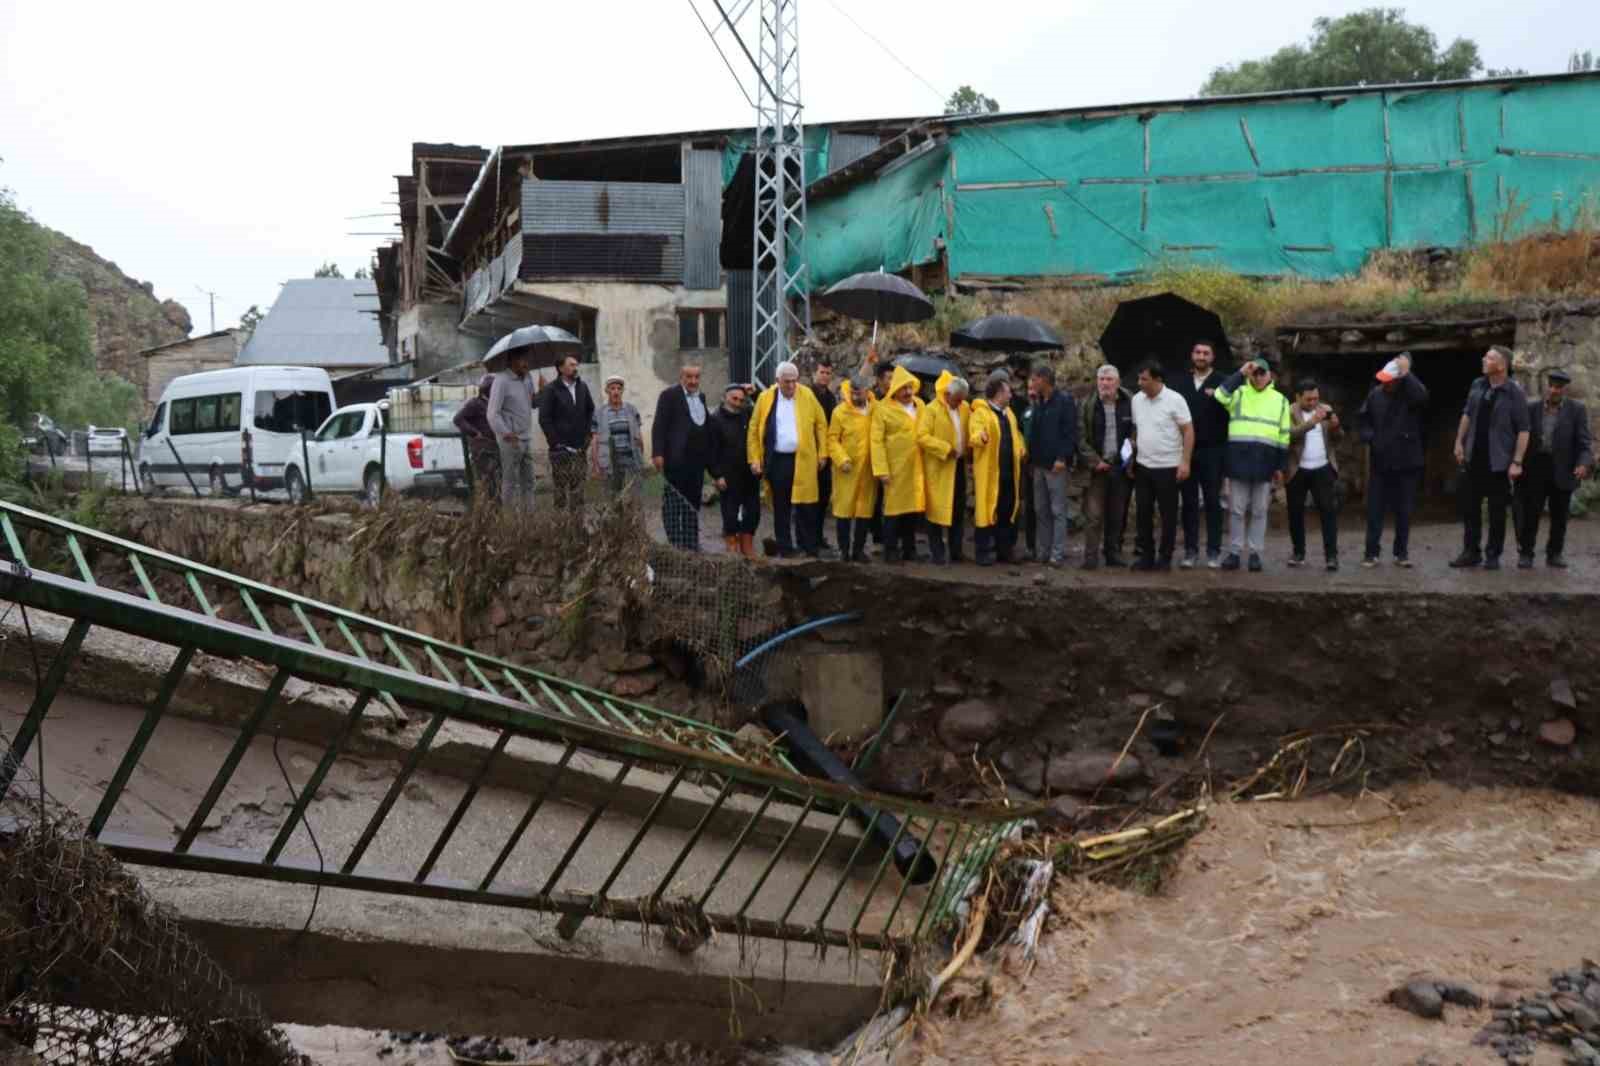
x=768, y=852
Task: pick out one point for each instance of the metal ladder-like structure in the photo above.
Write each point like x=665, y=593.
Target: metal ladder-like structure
x=761, y=811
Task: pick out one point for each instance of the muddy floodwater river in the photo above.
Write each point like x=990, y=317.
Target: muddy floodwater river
x=1274, y=943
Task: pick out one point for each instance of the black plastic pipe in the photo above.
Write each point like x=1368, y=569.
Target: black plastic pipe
x=811, y=756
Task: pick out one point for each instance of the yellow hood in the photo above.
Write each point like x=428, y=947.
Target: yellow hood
x=903, y=377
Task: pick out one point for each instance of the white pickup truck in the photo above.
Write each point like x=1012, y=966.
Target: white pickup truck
x=346, y=455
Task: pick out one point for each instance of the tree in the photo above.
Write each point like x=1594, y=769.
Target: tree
x=969, y=101
x=1583, y=61
x=362, y=274
x=1372, y=47
x=250, y=320
x=328, y=269
x=46, y=357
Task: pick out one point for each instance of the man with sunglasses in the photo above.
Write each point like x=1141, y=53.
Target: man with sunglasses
x=1258, y=452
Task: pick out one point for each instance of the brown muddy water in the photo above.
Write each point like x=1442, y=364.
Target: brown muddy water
x=1275, y=942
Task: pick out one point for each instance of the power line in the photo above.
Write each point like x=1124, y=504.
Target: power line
x=712, y=34
x=1057, y=183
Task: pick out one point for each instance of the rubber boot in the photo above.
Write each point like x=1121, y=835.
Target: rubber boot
x=747, y=545
x=730, y=544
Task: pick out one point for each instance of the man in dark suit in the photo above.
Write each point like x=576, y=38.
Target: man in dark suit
x=566, y=418
x=1560, y=453
x=680, y=448
x=1204, y=487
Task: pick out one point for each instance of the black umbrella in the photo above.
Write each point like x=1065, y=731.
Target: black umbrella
x=1164, y=328
x=878, y=297
x=927, y=366
x=1007, y=333
x=546, y=347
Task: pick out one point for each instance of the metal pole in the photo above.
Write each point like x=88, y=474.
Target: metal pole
x=192, y=486
x=88, y=463
x=466, y=460
x=383, y=455
x=305, y=461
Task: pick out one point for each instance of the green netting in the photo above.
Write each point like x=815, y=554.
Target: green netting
x=892, y=222
x=818, y=140
x=1274, y=186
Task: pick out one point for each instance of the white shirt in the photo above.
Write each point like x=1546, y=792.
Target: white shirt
x=787, y=431
x=1315, y=456
x=1158, y=425
x=955, y=420
x=697, y=406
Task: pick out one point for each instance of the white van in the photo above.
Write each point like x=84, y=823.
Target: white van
x=232, y=428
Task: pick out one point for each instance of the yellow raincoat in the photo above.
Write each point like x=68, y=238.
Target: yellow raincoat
x=849, y=443
x=985, y=427
x=812, y=426
x=936, y=437
x=895, y=452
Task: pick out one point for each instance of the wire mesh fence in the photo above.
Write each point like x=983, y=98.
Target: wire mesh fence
x=76, y=927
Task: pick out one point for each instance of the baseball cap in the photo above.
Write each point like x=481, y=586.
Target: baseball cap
x=1390, y=371
x=1559, y=377
x=1260, y=363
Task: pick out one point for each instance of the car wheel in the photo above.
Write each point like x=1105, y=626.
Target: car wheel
x=295, y=485
x=372, y=487
x=219, y=487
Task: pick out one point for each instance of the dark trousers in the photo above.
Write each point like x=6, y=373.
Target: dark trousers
x=680, y=506
x=824, y=498
x=951, y=536
x=999, y=539
x=1535, y=489
x=1204, y=485
x=875, y=523
x=1152, y=488
x=900, y=534
x=1482, y=484
x=741, y=508
x=1396, y=491
x=1105, y=512
x=567, y=472
x=1030, y=517
x=852, y=535
x=1320, y=483
x=793, y=523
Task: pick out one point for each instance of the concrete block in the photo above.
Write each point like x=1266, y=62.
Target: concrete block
x=843, y=692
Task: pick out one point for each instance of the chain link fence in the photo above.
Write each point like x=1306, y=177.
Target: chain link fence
x=77, y=928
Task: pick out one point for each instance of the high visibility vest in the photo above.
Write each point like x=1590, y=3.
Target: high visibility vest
x=1256, y=416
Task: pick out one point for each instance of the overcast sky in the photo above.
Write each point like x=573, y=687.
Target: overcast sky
x=225, y=145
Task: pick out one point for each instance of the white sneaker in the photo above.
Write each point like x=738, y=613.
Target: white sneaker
x=1214, y=562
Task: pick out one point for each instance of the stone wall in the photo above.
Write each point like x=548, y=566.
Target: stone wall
x=542, y=611
x=1020, y=673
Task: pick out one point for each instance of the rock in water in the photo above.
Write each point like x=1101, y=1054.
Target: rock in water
x=1420, y=998
x=1458, y=993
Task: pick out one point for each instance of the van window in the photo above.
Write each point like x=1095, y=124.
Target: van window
x=182, y=417
x=228, y=412
x=155, y=422
x=290, y=412
x=205, y=414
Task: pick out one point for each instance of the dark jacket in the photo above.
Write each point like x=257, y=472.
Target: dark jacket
x=1092, y=432
x=673, y=435
x=1053, y=431
x=1210, y=418
x=473, y=418
x=827, y=399
x=727, y=453
x=1509, y=418
x=566, y=418
x=1391, y=423
x=1571, y=445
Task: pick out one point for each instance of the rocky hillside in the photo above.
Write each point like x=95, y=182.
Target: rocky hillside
x=124, y=314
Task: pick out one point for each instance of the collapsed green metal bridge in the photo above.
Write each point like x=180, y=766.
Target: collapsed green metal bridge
x=752, y=813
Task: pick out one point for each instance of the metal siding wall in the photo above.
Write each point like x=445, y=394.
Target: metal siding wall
x=702, y=221
x=602, y=207
x=848, y=147
x=741, y=294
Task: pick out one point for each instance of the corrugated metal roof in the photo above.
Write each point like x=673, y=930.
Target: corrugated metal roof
x=326, y=322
